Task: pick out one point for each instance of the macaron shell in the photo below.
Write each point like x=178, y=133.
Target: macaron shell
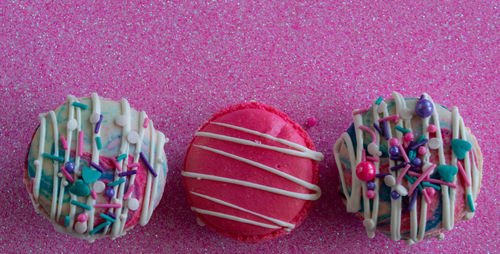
x=267, y=120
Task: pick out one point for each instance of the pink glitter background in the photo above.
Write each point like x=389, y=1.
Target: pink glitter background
x=182, y=62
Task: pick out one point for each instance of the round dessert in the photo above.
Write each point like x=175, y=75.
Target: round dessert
x=409, y=168
x=251, y=173
x=96, y=167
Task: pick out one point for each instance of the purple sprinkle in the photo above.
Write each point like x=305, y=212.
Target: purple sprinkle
x=417, y=145
x=143, y=158
x=382, y=174
x=397, y=158
x=385, y=129
x=128, y=173
x=401, y=165
x=412, y=201
x=112, y=215
x=395, y=195
x=375, y=125
x=98, y=124
x=96, y=167
x=415, y=169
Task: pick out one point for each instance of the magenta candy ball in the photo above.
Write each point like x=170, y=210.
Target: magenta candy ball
x=365, y=171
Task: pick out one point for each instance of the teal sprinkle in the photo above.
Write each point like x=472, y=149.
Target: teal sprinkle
x=121, y=157
x=379, y=100
x=426, y=184
x=66, y=220
x=80, y=105
x=99, y=227
x=53, y=157
x=106, y=217
x=401, y=129
x=409, y=179
x=98, y=141
x=470, y=202
x=412, y=154
x=422, y=137
x=111, y=184
x=82, y=205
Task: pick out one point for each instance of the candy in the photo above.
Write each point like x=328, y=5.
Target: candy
x=447, y=172
x=79, y=189
x=416, y=162
x=395, y=195
x=460, y=147
x=370, y=194
x=89, y=175
x=394, y=150
x=370, y=185
x=82, y=217
x=422, y=150
x=409, y=137
x=365, y=171
x=389, y=180
x=431, y=128
x=424, y=107
x=110, y=192
x=69, y=166
x=394, y=142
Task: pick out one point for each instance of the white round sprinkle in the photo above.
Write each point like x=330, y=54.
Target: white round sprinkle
x=434, y=143
x=133, y=137
x=401, y=190
x=133, y=204
x=65, y=183
x=36, y=162
x=369, y=224
x=81, y=227
x=99, y=186
x=373, y=149
x=72, y=124
x=59, y=174
x=94, y=118
x=405, y=113
x=389, y=180
x=121, y=120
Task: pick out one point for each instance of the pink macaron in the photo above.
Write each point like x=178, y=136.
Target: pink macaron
x=251, y=173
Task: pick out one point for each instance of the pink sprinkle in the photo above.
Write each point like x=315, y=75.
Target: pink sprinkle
x=80, y=143
x=400, y=177
x=393, y=117
x=372, y=133
x=462, y=172
x=146, y=122
x=422, y=150
x=431, y=128
x=363, y=155
x=129, y=191
x=82, y=217
x=117, y=165
x=403, y=153
x=68, y=176
x=426, y=196
x=394, y=142
x=360, y=111
x=64, y=143
x=421, y=178
x=107, y=205
x=371, y=158
x=430, y=180
x=133, y=165
x=94, y=195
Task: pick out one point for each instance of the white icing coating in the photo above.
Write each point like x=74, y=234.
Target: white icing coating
x=55, y=187
x=417, y=228
x=218, y=201
x=302, y=152
x=39, y=161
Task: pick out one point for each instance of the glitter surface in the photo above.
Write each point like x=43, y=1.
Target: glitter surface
x=182, y=62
